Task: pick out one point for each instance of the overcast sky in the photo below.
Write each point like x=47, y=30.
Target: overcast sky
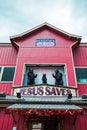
x=17, y=16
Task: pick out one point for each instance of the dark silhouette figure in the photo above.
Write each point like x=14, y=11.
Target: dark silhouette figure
x=58, y=77
x=31, y=76
x=44, y=79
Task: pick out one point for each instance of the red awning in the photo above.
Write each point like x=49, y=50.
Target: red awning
x=44, y=109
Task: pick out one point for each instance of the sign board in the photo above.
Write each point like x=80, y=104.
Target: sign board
x=45, y=42
x=44, y=90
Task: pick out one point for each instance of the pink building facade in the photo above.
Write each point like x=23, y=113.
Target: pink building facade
x=32, y=93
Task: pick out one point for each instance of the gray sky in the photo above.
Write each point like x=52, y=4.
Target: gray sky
x=17, y=16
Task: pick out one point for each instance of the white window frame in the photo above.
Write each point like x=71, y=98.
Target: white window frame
x=1, y=73
x=80, y=67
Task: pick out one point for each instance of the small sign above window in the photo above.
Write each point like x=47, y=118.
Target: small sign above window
x=45, y=42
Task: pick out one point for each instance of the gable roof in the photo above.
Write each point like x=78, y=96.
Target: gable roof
x=45, y=24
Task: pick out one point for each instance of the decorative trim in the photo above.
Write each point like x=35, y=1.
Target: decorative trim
x=48, y=25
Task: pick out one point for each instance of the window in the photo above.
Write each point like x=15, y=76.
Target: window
x=81, y=74
x=0, y=69
x=47, y=70
x=14, y=127
x=8, y=74
x=36, y=126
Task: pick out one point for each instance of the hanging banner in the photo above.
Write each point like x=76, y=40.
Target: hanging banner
x=44, y=90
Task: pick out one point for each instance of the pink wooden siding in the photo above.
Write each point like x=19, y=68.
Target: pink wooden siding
x=30, y=40
x=30, y=54
x=7, y=122
x=80, y=60
x=6, y=87
x=80, y=56
x=45, y=56
x=80, y=123
x=82, y=89
x=8, y=56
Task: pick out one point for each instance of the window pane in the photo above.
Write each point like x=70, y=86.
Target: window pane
x=36, y=125
x=0, y=69
x=8, y=74
x=81, y=74
x=48, y=70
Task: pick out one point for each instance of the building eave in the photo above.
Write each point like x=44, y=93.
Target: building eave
x=43, y=100
x=83, y=44
x=72, y=36
x=5, y=44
